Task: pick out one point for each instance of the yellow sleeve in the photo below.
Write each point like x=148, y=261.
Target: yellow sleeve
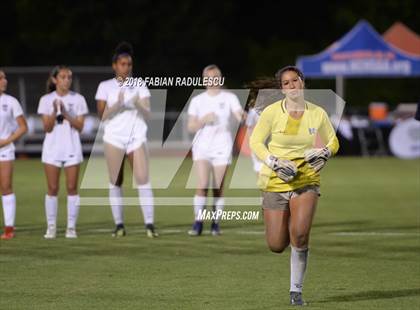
x=327, y=134
x=261, y=132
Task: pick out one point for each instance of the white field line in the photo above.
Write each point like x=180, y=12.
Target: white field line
x=261, y=232
x=170, y=201
x=374, y=233
x=237, y=232
x=177, y=231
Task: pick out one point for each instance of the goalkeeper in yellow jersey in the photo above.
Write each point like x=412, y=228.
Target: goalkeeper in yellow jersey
x=284, y=139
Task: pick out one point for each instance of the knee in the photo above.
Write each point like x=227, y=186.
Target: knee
x=53, y=190
x=6, y=190
x=141, y=180
x=203, y=187
x=201, y=192
x=277, y=246
x=116, y=182
x=72, y=190
x=300, y=240
x=203, y=184
x=217, y=192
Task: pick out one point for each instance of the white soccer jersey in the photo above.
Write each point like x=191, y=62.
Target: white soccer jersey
x=250, y=122
x=216, y=136
x=128, y=123
x=252, y=118
x=10, y=109
x=63, y=142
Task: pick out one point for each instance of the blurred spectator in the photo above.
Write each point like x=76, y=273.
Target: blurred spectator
x=417, y=116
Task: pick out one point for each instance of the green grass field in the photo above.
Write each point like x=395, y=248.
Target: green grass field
x=365, y=251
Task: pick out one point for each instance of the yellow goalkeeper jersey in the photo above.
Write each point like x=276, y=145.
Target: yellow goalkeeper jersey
x=289, y=138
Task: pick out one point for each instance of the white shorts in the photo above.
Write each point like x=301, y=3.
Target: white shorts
x=124, y=143
x=216, y=158
x=7, y=153
x=60, y=163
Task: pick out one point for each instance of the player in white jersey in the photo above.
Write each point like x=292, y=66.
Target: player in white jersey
x=123, y=111
x=251, y=121
x=63, y=113
x=209, y=116
x=261, y=94
x=11, y=114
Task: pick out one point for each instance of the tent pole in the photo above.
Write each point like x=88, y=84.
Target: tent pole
x=339, y=85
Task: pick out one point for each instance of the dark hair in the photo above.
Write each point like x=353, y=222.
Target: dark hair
x=123, y=49
x=53, y=74
x=295, y=69
x=255, y=86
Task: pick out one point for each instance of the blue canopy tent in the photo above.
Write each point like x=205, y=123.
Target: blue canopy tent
x=362, y=52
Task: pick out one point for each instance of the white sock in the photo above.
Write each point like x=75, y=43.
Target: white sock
x=298, y=262
x=51, y=204
x=199, y=204
x=115, y=200
x=73, y=205
x=146, y=202
x=9, y=209
x=219, y=204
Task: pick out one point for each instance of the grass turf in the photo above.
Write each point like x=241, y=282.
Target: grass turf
x=364, y=251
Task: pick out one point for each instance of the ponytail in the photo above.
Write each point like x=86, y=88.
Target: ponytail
x=254, y=88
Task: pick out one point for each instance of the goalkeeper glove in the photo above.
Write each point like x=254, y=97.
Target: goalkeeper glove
x=317, y=157
x=285, y=169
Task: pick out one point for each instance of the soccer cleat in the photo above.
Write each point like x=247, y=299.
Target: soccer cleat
x=150, y=231
x=215, y=229
x=51, y=232
x=296, y=299
x=196, y=230
x=119, y=231
x=9, y=233
x=71, y=233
